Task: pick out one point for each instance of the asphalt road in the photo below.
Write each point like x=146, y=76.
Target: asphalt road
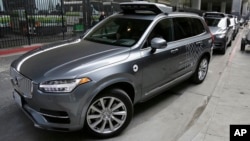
x=167, y=117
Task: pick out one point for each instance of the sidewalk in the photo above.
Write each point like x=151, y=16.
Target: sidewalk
x=229, y=104
x=9, y=51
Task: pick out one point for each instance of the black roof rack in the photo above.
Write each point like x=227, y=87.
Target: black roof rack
x=156, y=8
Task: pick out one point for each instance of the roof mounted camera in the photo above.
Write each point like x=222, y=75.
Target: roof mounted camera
x=133, y=7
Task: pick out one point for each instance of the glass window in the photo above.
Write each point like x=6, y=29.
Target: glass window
x=119, y=31
x=182, y=28
x=163, y=29
x=216, y=22
x=197, y=26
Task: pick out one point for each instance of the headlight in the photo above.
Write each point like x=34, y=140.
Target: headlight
x=62, y=86
x=220, y=35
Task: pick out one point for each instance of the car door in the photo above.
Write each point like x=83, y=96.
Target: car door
x=183, y=42
x=198, y=41
x=159, y=66
x=229, y=31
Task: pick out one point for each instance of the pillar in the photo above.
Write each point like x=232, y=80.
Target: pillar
x=236, y=7
x=196, y=4
x=244, y=8
x=223, y=7
x=210, y=6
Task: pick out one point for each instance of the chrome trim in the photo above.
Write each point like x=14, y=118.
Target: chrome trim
x=22, y=84
x=63, y=117
x=169, y=84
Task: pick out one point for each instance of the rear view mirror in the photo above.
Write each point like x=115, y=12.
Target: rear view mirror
x=158, y=43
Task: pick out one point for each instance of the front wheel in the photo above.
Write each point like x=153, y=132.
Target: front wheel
x=109, y=114
x=201, y=71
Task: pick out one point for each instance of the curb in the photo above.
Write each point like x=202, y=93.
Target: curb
x=19, y=49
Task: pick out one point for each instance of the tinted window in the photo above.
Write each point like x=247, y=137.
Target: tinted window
x=163, y=29
x=215, y=22
x=197, y=26
x=182, y=28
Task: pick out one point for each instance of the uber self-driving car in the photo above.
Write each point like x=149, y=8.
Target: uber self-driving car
x=127, y=58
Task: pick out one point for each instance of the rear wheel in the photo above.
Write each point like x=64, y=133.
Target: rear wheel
x=243, y=44
x=109, y=114
x=201, y=71
x=224, y=48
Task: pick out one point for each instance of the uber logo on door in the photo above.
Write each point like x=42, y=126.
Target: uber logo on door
x=239, y=132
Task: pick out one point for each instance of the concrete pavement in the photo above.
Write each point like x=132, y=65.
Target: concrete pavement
x=229, y=103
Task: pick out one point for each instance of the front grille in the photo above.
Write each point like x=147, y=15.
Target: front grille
x=22, y=84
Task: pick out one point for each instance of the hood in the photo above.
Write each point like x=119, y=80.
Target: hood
x=216, y=30
x=67, y=59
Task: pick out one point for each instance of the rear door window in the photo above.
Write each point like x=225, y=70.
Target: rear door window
x=187, y=27
x=182, y=28
x=197, y=26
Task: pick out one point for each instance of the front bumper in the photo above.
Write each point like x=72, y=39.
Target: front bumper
x=52, y=111
x=60, y=112
x=51, y=115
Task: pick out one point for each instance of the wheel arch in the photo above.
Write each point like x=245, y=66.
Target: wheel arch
x=206, y=54
x=126, y=86
x=121, y=83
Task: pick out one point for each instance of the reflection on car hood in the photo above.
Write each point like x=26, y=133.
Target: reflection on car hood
x=68, y=59
x=216, y=30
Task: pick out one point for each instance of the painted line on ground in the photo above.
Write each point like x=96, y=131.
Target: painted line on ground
x=18, y=49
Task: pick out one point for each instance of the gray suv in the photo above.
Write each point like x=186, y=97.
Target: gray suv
x=128, y=58
x=219, y=25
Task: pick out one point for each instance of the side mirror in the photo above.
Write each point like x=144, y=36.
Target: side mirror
x=158, y=43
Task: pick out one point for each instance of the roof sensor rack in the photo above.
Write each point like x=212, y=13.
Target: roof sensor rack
x=134, y=7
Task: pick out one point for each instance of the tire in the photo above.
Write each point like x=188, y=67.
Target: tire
x=223, y=50
x=201, y=71
x=242, y=47
x=230, y=43
x=109, y=114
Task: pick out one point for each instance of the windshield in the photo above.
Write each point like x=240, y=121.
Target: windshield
x=216, y=22
x=119, y=31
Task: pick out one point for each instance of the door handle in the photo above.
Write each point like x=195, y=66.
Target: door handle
x=199, y=43
x=174, y=51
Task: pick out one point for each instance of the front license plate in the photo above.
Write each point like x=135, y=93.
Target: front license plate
x=17, y=99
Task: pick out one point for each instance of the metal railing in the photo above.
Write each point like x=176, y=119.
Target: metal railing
x=26, y=22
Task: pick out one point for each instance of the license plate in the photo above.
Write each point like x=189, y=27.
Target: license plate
x=17, y=99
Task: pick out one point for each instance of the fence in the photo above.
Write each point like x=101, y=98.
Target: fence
x=26, y=22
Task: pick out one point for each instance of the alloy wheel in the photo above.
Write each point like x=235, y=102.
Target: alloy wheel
x=203, y=69
x=106, y=115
